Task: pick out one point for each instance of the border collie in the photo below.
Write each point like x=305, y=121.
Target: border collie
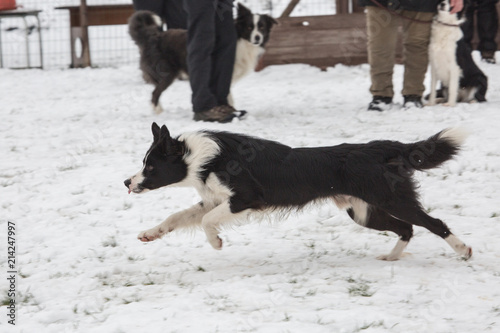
x=238, y=175
x=451, y=61
x=163, y=53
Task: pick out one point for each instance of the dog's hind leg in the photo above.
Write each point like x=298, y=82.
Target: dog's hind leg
x=413, y=213
x=163, y=84
x=184, y=219
x=433, y=95
x=453, y=87
x=214, y=219
x=379, y=220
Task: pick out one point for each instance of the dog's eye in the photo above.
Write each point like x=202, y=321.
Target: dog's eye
x=149, y=168
x=250, y=28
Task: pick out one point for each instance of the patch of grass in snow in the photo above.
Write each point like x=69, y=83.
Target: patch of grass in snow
x=128, y=301
x=5, y=301
x=135, y=258
x=370, y=325
x=26, y=298
x=359, y=288
x=311, y=245
x=22, y=275
x=311, y=292
x=493, y=215
x=110, y=241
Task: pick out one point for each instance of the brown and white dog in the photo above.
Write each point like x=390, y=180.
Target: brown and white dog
x=163, y=53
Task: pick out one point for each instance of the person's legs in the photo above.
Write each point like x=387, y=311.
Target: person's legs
x=201, y=42
x=416, y=38
x=382, y=28
x=155, y=6
x=174, y=14
x=224, y=52
x=487, y=26
x=468, y=25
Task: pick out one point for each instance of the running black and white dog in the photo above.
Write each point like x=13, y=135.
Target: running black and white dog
x=451, y=61
x=163, y=53
x=238, y=175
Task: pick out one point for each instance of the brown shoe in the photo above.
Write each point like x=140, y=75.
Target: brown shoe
x=219, y=113
x=488, y=57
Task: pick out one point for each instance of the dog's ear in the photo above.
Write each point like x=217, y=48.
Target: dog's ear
x=168, y=145
x=243, y=11
x=165, y=140
x=269, y=20
x=156, y=132
x=164, y=132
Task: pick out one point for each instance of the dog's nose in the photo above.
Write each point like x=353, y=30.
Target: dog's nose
x=257, y=38
x=127, y=183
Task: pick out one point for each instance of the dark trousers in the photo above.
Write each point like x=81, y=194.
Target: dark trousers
x=486, y=21
x=171, y=11
x=211, y=50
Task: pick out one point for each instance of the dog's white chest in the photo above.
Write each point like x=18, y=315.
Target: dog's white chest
x=442, y=51
x=247, y=56
x=213, y=192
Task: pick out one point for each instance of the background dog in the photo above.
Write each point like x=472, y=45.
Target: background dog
x=238, y=175
x=451, y=61
x=163, y=53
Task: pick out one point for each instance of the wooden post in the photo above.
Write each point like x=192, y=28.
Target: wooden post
x=84, y=35
x=289, y=9
x=342, y=6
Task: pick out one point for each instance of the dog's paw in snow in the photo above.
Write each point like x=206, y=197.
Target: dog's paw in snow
x=216, y=242
x=150, y=235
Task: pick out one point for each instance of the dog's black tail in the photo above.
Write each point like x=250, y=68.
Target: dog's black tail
x=434, y=151
x=142, y=25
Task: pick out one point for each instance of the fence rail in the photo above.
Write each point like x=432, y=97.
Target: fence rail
x=317, y=32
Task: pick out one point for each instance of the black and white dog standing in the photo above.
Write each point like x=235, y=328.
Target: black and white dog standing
x=238, y=175
x=451, y=61
x=163, y=53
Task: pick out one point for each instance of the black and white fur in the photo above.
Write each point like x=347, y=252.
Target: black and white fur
x=451, y=61
x=163, y=53
x=238, y=175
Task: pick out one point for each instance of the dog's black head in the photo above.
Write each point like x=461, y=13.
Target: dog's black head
x=163, y=164
x=142, y=23
x=254, y=28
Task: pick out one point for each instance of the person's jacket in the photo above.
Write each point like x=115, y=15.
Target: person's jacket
x=429, y=6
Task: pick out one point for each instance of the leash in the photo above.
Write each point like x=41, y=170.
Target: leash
x=393, y=12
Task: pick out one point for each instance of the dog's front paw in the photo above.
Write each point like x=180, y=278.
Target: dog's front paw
x=150, y=235
x=393, y=256
x=216, y=242
x=388, y=257
x=450, y=104
x=468, y=253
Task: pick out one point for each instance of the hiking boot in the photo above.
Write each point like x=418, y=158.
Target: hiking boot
x=413, y=101
x=219, y=113
x=488, y=57
x=380, y=103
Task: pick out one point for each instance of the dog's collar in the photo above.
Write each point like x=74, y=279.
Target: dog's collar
x=447, y=24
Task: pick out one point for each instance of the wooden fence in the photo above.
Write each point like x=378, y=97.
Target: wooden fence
x=316, y=40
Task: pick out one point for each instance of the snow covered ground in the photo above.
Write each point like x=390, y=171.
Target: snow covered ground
x=69, y=138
